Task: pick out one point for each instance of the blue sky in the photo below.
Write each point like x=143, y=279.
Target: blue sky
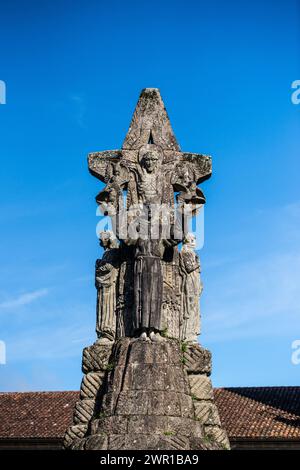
x=74, y=71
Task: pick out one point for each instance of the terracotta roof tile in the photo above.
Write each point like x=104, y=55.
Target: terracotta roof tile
x=260, y=412
x=36, y=414
x=250, y=412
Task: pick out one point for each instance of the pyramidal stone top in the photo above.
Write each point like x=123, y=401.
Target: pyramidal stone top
x=146, y=379
x=150, y=123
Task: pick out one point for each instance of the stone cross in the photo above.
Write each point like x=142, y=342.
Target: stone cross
x=150, y=130
x=151, y=168
x=146, y=378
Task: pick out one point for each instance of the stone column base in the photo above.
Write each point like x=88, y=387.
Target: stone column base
x=146, y=395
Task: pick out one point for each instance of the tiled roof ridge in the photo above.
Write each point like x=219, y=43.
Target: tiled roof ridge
x=250, y=387
x=36, y=392
x=271, y=412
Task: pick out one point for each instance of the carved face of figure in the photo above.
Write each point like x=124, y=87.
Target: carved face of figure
x=117, y=172
x=186, y=177
x=190, y=240
x=107, y=239
x=104, y=239
x=113, y=196
x=150, y=161
x=193, y=186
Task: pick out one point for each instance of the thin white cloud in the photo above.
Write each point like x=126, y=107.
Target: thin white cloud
x=80, y=109
x=261, y=296
x=24, y=299
x=50, y=343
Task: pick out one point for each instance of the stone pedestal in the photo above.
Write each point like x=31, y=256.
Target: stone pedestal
x=146, y=395
x=136, y=394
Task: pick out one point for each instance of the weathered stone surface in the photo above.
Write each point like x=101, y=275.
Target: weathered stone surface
x=146, y=384
x=184, y=426
x=106, y=277
x=156, y=377
x=148, y=405
x=117, y=442
x=187, y=405
x=108, y=403
x=217, y=434
x=145, y=352
x=141, y=402
x=91, y=384
x=74, y=432
x=197, y=360
x=133, y=402
x=205, y=444
x=201, y=387
x=147, y=424
x=164, y=425
x=96, y=442
x=165, y=403
x=154, y=287
x=77, y=444
x=191, y=285
x=156, y=442
x=96, y=358
x=150, y=116
x=115, y=378
x=84, y=410
x=176, y=442
x=120, y=351
x=207, y=413
x=112, y=425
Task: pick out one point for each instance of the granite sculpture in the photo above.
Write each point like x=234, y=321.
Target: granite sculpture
x=146, y=378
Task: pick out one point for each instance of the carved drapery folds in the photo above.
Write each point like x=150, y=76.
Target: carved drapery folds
x=150, y=191
x=106, y=277
x=146, y=379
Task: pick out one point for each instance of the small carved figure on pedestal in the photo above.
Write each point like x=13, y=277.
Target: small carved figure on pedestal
x=143, y=387
x=148, y=284
x=191, y=289
x=106, y=277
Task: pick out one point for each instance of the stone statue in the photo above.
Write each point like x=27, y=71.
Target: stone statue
x=148, y=284
x=146, y=379
x=148, y=276
x=106, y=275
x=191, y=290
x=158, y=183
x=149, y=179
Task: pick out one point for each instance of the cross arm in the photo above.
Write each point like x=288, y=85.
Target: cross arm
x=101, y=163
x=201, y=165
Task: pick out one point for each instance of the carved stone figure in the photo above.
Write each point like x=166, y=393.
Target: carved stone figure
x=148, y=284
x=146, y=379
x=171, y=300
x=191, y=290
x=151, y=173
x=125, y=297
x=149, y=181
x=106, y=276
